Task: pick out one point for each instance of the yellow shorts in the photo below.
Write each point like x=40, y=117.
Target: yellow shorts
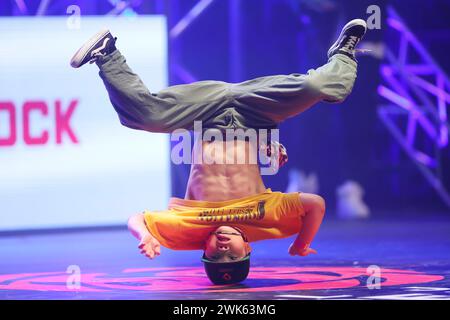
x=188, y=223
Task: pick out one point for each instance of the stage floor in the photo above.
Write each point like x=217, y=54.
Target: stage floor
x=376, y=259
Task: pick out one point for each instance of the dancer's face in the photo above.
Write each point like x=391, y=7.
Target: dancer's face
x=226, y=244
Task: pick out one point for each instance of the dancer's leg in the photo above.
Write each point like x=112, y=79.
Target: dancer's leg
x=172, y=108
x=283, y=96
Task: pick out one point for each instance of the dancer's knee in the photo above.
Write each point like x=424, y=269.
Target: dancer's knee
x=314, y=83
x=148, y=123
x=338, y=93
x=330, y=88
x=313, y=202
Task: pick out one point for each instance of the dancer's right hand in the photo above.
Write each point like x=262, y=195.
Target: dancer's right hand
x=296, y=251
x=149, y=246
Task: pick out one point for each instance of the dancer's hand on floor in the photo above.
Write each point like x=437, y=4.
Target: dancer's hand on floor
x=149, y=246
x=295, y=251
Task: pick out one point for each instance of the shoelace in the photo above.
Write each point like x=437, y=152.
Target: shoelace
x=351, y=43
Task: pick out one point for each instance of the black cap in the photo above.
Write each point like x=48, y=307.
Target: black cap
x=227, y=272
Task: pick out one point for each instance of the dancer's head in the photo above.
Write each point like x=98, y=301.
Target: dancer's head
x=227, y=255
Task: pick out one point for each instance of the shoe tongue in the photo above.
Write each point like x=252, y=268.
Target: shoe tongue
x=111, y=47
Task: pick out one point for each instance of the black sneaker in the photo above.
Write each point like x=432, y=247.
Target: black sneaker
x=350, y=36
x=101, y=44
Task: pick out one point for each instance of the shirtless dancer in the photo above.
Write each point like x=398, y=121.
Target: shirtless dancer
x=226, y=205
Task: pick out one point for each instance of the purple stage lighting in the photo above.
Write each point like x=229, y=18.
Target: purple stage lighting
x=418, y=90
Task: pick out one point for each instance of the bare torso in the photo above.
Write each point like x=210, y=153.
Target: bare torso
x=221, y=177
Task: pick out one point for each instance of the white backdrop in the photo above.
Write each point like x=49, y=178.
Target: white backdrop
x=112, y=172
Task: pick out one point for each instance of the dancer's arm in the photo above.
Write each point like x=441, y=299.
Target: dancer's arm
x=314, y=206
x=148, y=245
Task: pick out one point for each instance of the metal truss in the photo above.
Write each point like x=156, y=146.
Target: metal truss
x=417, y=93
x=176, y=31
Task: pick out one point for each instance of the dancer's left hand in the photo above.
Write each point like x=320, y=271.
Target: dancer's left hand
x=150, y=246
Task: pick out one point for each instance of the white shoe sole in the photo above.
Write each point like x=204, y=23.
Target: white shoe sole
x=81, y=53
x=349, y=24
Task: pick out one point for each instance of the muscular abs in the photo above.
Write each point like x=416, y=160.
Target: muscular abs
x=222, y=175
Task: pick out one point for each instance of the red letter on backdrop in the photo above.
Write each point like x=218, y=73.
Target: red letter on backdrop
x=62, y=121
x=11, y=139
x=27, y=108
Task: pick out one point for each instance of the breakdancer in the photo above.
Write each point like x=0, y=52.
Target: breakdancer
x=226, y=205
